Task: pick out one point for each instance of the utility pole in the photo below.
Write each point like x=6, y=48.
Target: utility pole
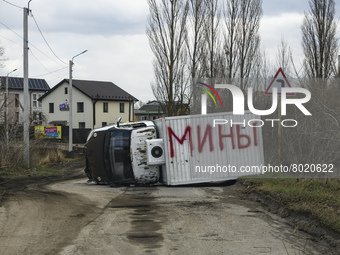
x=339, y=66
x=70, y=108
x=339, y=70
x=26, y=95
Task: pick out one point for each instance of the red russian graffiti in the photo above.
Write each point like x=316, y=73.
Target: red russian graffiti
x=202, y=142
x=242, y=137
x=234, y=135
x=221, y=136
x=181, y=141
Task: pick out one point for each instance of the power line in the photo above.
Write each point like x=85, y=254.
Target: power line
x=40, y=75
x=44, y=54
x=13, y=4
x=11, y=30
x=36, y=23
x=59, y=77
x=30, y=44
x=46, y=41
x=39, y=61
x=49, y=72
x=11, y=40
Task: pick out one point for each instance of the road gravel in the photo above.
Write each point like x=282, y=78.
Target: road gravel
x=70, y=217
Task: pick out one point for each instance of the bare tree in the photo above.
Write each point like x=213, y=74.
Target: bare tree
x=283, y=57
x=195, y=39
x=249, y=39
x=167, y=35
x=2, y=54
x=195, y=45
x=211, y=58
x=242, y=40
x=319, y=40
x=231, y=18
x=315, y=139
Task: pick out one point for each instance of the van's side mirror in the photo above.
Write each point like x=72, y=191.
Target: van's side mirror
x=119, y=119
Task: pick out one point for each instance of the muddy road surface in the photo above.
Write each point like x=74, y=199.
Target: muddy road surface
x=56, y=216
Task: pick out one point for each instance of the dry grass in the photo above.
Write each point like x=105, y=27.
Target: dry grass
x=46, y=156
x=316, y=198
x=43, y=154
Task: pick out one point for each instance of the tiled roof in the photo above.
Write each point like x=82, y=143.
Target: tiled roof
x=102, y=90
x=98, y=90
x=18, y=83
x=154, y=108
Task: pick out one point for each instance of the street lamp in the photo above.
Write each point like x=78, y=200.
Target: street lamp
x=70, y=135
x=6, y=119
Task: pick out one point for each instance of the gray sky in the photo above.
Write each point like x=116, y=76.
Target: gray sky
x=113, y=32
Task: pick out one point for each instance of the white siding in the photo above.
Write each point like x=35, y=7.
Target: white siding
x=12, y=109
x=113, y=113
x=58, y=97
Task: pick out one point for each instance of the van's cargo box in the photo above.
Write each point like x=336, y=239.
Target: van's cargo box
x=198, y=151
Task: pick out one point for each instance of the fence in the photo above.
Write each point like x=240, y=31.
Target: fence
x=79, y=135
x=15, y=132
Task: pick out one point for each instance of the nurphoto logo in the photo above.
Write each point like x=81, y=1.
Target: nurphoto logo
x=239, y=103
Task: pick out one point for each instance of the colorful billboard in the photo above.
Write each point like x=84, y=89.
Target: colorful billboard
x=47, y=132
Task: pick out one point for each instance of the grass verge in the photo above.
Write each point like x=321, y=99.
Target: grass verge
x=11, y=173
x=315, y=198
x=44, y=162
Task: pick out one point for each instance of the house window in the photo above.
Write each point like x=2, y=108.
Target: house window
x=80, y=107
x=121, y=107
x=104, y=124
x=34, y=100
x=51, y=108
x=143, y=118
x=39, y=102
x=105, y=107
x=16, y=100
x=66, y=90
x=81, y=125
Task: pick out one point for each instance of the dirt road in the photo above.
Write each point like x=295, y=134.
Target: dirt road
x=70, y=217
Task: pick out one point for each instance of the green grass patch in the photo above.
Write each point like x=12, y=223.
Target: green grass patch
x=317, y=198
x=11, y=173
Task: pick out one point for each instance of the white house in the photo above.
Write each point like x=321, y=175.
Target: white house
x=94, y=104
x=14, y=108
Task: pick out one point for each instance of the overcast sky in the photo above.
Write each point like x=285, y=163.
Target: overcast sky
x=113, y=32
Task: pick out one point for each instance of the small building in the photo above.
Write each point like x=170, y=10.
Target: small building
x=94, y=104
x=150, y=111
x=37, y=88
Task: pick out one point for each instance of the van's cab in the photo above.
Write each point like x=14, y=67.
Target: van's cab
x=117, y=154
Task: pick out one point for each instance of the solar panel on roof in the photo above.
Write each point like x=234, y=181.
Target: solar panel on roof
x=18, y=83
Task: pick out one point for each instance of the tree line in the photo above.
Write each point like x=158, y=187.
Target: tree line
x=215, y=39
